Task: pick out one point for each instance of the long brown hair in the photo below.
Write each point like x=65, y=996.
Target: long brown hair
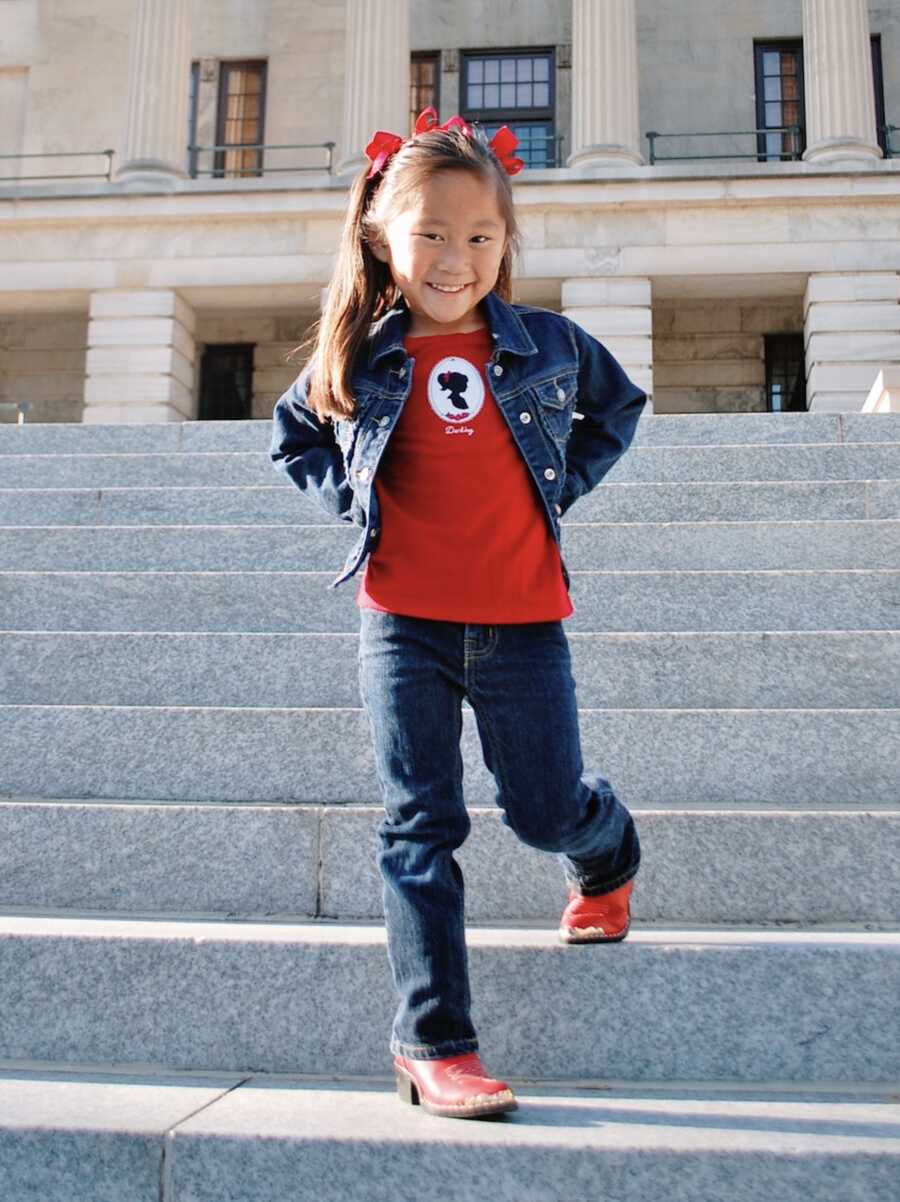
x=362, y=289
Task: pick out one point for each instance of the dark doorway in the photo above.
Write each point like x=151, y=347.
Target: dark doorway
x=226, y=382
x=785, y=372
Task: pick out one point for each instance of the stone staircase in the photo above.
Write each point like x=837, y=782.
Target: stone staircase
x=195, y=998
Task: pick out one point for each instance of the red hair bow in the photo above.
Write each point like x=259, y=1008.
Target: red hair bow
x=503, y=143
x=380, y=149
x=384, y=145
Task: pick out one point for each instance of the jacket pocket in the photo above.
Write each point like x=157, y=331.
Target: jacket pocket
x=555, y=404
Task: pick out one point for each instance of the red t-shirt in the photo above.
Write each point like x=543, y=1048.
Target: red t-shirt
x=464, y=537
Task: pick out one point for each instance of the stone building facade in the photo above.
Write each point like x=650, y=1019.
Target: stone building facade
x=712, y=190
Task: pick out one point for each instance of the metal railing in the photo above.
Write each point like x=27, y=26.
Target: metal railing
x=652, y=135
x=21, y=407
x=64, y=154
x=791, y=155
x=220, y=170
x=553, y=154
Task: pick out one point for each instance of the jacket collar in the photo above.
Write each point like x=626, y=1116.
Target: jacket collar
x=507, y=329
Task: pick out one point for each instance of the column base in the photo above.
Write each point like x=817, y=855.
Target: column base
x=852, y=336
x=149, y=173
x=606, y=156
x=850, y=150
x=351, y=167
x=140, y=360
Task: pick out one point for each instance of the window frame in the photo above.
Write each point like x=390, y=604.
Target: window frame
x=778, y=45
x=225, y=67
x=878, y=85
x=424, y=56
x=543, y=115
x=193, y=109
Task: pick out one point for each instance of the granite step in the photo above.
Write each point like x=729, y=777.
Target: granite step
x=70, y=1136
x=586, y=546
x=704, y=1004
x=273, y=504
x=182, y=753
x=271, y=601
x=797, y=461
x=308, y=861
x=831, y=669
x=653, y=429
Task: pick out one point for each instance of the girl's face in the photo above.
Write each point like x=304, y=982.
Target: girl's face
x=445, y=252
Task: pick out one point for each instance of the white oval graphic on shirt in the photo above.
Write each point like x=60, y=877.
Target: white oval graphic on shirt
x=455, y=389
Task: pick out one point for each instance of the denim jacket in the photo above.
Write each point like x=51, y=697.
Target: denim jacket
x=570, y=407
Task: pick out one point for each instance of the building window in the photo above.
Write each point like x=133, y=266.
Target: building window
x=424, y=84
x=779, y=99
x=240, y=119
x=878, y=82
x=785, y=372
x=513, y=88
x=192, y=119
x=226, y=382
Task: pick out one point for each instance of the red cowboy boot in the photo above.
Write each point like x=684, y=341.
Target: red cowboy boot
x=603, y=918
x=456, y=1086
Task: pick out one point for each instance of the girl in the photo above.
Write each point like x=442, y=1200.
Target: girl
x=426, y=380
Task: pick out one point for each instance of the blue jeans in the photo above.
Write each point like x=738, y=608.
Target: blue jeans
x=413, y=676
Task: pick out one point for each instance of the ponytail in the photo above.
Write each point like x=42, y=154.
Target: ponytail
x=361, y=290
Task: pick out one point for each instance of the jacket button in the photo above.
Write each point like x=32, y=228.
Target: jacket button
x=363, y=474
x=560, y=394
x=498, y=369
x=373, y=532
x=549, y=473
x=402, y=372
x=525, y=418
x=384, y=421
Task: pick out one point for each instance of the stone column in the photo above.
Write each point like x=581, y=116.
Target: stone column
x=617, y=311
x=159, y=68
x=840, y=96
x=851, y=328
x=140, y=359
x=605, y=123
x=376, y=77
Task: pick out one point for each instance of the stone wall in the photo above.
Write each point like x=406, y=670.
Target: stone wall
x=42, y=361
x=708, y=355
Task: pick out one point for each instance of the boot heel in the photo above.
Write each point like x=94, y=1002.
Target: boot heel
x=406, y=1087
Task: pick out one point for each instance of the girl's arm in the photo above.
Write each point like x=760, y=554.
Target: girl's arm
x=610, y=404
x=304, y=449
